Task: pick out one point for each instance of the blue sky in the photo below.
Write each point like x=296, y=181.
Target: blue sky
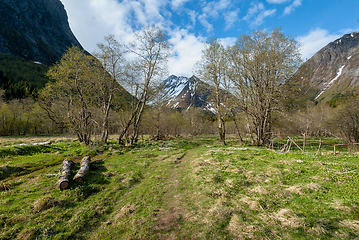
x=191, y=23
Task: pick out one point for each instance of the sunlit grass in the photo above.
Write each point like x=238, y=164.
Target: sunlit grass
x=187, y=188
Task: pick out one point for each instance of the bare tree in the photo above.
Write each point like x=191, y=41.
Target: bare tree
x=111, y=56
x=260, y=64
x=346, y=119
x=212, y=69
x=151, y=49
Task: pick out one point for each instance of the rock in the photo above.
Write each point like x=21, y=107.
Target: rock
x=36, y=30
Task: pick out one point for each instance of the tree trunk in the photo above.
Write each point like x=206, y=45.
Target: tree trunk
x=249, y=129
x=136, y=124
x=221, y=130
x=65, y=174
x=130, y=121
x=138, y=119
x=106, y=112
x=236, y=125
x=85, y=167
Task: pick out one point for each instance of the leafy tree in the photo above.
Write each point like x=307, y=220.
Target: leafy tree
x=260, y=64
x=73, y=90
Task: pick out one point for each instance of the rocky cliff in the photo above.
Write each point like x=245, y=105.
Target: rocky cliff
x=36, y=30
x=334, y=69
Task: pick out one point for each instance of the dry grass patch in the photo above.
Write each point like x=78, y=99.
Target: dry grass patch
x=240, y=229
x=252, y=204
x=125, y=211
x=44, y=203
x=352, y=224
x=272, y=171
x=338, y=205
x=259, y=189
x=27, y=234
x=297, y=189
x=287, y=218
x=313, y=187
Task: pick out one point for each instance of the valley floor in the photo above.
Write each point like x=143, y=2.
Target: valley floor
x=187, y=188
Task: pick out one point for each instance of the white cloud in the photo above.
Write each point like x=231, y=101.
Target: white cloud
x=229, y=41
x=231, y=18
x=257, y=13
x=178, y=3
x=203, y=20
x=99, y=18
x=212, y=11
x=193, y=15
x=292, y=7
x=188, y=50
x=314, y=41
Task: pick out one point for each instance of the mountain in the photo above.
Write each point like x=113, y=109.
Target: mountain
x=333, y=70
x=36, y=30
x=183, y=92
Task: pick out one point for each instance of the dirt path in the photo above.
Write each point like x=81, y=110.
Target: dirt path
x=173, y=213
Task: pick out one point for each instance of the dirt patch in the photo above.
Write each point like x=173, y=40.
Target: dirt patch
x=172, y=213
x=167, y=220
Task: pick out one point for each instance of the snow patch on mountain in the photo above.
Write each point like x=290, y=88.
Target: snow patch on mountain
x=331, y=82
x=175, y=85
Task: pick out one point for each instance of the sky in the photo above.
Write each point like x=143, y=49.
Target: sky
x=190, y=23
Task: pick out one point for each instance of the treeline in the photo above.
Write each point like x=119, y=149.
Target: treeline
x=83, y=95
x=21, y=78
x=25, y=116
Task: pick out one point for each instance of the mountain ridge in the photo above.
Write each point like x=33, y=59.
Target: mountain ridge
x=334, y=69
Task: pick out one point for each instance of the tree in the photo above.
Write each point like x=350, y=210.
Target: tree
x=151, y=49
x=72, y=89
x=111, y=56
x=346, y=119
x=212, y=69
x=260, y=64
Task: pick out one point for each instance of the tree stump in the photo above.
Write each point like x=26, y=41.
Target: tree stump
x=85, y=167
x=65, y=174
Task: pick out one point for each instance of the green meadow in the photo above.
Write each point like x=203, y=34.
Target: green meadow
x=185, y=188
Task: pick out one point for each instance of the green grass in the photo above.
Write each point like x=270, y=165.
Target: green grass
x=187, y=188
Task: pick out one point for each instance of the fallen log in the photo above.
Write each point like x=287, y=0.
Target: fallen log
x=27, y=144
x=65, y=174
x=85, y=167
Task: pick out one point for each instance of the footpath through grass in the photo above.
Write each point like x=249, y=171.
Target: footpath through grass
x=179, y=189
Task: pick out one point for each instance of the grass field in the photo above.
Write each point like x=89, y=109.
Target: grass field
x=186, y=188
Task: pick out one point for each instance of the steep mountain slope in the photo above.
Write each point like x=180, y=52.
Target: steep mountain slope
x=36, y=30
x=334, y=69
x=183, y=92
